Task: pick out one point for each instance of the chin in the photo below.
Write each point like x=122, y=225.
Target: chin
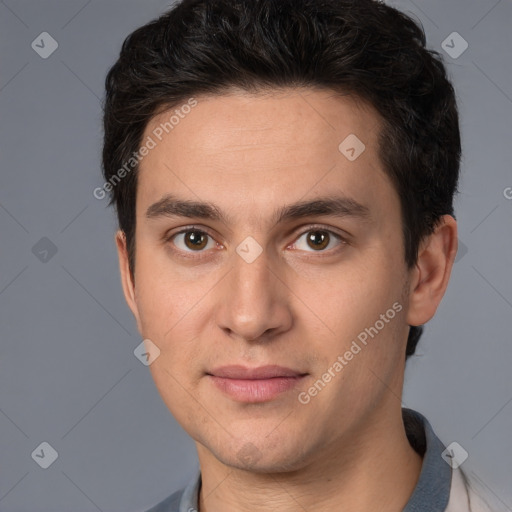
x=261, y=458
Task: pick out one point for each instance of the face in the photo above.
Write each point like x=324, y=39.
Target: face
x=264, y=246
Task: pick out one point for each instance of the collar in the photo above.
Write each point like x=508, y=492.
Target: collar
x=431, y=493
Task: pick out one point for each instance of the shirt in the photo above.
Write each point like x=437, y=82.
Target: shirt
x=439, y=488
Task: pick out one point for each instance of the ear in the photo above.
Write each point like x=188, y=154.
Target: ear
x=430, y=276
x=126, y=276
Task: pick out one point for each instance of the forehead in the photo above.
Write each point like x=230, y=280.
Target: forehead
x=263, y=148
x=247, y=121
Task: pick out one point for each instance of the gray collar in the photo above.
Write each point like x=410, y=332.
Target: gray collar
x=430, y=495
x=432, y=491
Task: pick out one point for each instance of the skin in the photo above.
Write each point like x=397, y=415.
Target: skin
x=295, y=305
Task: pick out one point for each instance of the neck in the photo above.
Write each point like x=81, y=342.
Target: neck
x=369, y=469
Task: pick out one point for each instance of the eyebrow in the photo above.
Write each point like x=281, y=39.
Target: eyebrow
x=171, y=206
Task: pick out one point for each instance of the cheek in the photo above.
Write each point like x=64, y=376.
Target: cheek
x=161, y=295
x=171, y=310
x=348, y=305
x=351, y=296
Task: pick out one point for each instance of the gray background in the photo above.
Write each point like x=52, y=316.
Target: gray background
x=68, y=375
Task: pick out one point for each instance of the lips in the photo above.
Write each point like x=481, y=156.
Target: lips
x=252, y=385
x=261, y=372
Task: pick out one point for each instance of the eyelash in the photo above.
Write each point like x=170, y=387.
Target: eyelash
x=190, y=254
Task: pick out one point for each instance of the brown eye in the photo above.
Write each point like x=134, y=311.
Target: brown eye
x=192, y=240
x=196, y=240
x=318, y=239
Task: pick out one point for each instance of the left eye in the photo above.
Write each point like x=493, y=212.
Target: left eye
x=316, y=239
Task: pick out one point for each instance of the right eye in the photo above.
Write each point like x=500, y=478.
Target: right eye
x=192, y=240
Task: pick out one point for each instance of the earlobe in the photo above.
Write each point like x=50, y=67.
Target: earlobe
x=432, y=271
x=126, y=276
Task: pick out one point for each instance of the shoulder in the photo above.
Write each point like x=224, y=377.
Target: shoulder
x=468, y=495
x=481, y=498
x=184, y=500
x=170, y=504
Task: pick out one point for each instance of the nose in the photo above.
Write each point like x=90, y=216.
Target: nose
x=253, y=301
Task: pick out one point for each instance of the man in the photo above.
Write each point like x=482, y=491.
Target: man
x=283, y=173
